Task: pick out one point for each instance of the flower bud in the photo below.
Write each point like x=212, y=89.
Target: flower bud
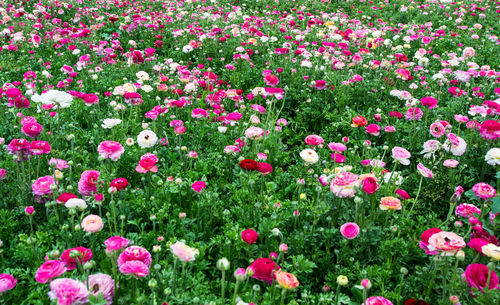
x=156, y=248
x=152, y=283
x=89, y=265
x=240, y=274
x=283, y=248
x=458, y=224
x=29, y=210
x=460, y=255
x=366, y=284
x=342, y=280
x=223, y=264
x=453, y=299
x=403, y=271
x=273, y=255
x=75, y=254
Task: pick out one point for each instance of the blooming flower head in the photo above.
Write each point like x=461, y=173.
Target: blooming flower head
x=110, y=149
x=285, y=279
x=116, y=243
x=401, y=155
x=7, y=282
x=146, y=139
x=249, y=236
x=390, y=203
x=135, y=253
x=337, y=147
x=309, y=156
x=184, y=252
x=467, y=210
x=424, y=241
x=484, y=190
x=377, y=301
x=447, y=242
x=262, y=269
x=42, y=185
x=424, y=171
x=49, y=270
x=198, y=186
x=492, y=251
x=314, y=140
x=74, y=256
x=147, y=163
x=454, y=144
x=492, y=157
x=477, y=276
x=92, y=224
x=68, y=292
x=349, y=230
x=102, y=284
x=87, y=184
x=254, y=133
x=344, y=185
x=135, y=268
x=437, y=129
x=490, y=130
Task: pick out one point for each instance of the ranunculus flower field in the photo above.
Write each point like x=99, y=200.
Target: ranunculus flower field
x=210, y=152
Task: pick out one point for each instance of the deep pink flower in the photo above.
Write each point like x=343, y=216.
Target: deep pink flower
x=87, y=184
x=198, y=186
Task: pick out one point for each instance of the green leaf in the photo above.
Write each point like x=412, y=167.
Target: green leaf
x=471, y=195
x=495, y=207
x=497, y=175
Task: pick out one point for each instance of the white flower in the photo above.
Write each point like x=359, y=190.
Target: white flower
x=60, y=98
x=110, y=123
x=147, y=88
x=76, y=203
x=146, y=139
x=396, y=178
x=309, y=156
x=493, y=156
x=142, y=75
x=456, y=150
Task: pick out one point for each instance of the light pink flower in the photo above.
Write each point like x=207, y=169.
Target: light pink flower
x=102, y=284
x=344, y=185
x=58, y=163
x=92, y=224
x=184, y=252
x=467, y=210
x=135, y=253
x=110, y=149
x=450, y=163
x=147, y=163
x=377, y=301
x=136, y=268
x=337, y=147
x=484, y=190
x=402, y=155
x=447, y=242
x=7, y=282
x=424, y=171
x=437, y=129
x=68, y=292
x=314, y=140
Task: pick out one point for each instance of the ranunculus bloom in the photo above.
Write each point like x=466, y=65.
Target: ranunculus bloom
x=198, y=186
x=359, y=121
x=249, y=236
x=68, y=292
x=492, y=251
x=424, y=171
x=135, y=253
x=370, y=185
x=40, y=147
x=285, y=279
x=147, y=163
x=309, y=156
x=42, y=185
x=102, y=284
x=424, y=240
x=248, y=164
x=184, y=252
x=390, y=203
x=490, y=129
x=87, y=184
x=32, y=129
x=484, y=190
x=7, y=282
x=401, y=155
x=115, y=243
x=403, y=194
x=373, y=129
x=349, y=230
x=338, y=157
x=415, y=302
x=263, y=269
x=447, y=242
x=477, y=277
x=467, y=210
x=477, y=244
x=72, y=262
x=49, y=270
x=264, y=168
x=92, y=224
x=65, y=197
x=119, y=183
x=314, y=140
x=377, y=301
x=136, y=268
x=344, y=185
x=110, y=149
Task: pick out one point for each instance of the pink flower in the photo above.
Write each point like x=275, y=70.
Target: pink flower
x=373, y=129
x=115, y=243
x=490, y=129
x=447, y=242
x=184, y=252
x=32, y=129
x=477, y=275
x=402, y=155
x=7, y=282
x=377, y=301
x=198, y=186
x=403, y=194
x=264, y=168
x=370, y=185
x=424, y=171
x=450, y=163
x=249, y=236
x=429, y=101
x=467, y=210
x=414, y=114
x=147, y=163
x=3, y=173
x=102, y=284
x=74, y=256
x=437, y=129
x=68, y=292
x=110, y=149
x=92, y=223
x=424, y=241
x=136, y=268
x=58, y=163
x=87, y=184
x=42, y=185
x=135, y=253
x=337, y=147
x=338, y=158
x=314, y=140
x=320, y=84
x=49, y=270
x=40, y=147
x=349, y=230
x=484, y=190
x=29, y=210
x=344, y=185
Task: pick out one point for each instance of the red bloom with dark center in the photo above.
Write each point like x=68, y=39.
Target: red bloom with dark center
x=248, y=164
x=119, y=183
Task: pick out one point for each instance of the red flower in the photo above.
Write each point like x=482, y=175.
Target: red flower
x=119, y=183
x=359, y=121
x=65, y=197
x=70, y=257
x=264, y=168
x=263, y=269
x=412, y=301
x=370, y=185
x=249, y=236
x=248, y=164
